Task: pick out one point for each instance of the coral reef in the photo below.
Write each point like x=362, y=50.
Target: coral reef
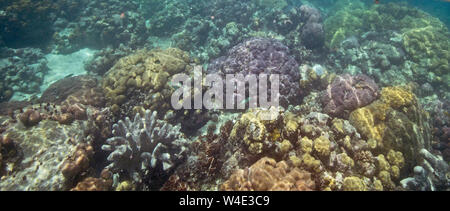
x=429, y=47
x=363, y=93
x=402, y=49
x=22, y=71
x=30, y=22
x=337, y=156
x=432, y=175
x=41, y=153
x=143, y=147
x=105, y=59
x=100, y=24
x=347, y=93
x=268, y=175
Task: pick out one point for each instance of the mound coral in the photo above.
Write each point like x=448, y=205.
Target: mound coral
x=143, y=146
x=268, y=175
x=30, y=117
x=78, y=162
x=145, y=75
x=395, y=122
x=262, y=55
x=263, y=136
x=312, y=33
x=347, y=93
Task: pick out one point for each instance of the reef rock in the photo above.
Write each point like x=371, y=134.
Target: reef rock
x=42, y=151
x=60, y=90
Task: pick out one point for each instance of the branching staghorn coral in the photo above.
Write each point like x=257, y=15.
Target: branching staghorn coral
x=141, y=146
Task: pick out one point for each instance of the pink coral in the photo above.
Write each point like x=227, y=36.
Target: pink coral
x=347, y=93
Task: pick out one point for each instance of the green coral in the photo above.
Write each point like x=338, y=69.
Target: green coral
x=399, y=127
x=354, y=184
x=322, y=146
x=355, y=20
x=430, y=46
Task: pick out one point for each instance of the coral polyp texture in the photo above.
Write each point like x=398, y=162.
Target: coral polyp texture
x=144, y=74
x=395, y=121
x=347, y=93
x=268, y=175
x=262, y=55
x=144, y=146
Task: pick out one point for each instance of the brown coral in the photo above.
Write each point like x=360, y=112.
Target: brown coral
x=88, y=96
x=104, y=183
x=78, y=162
x=268, y=175
x=30, y=117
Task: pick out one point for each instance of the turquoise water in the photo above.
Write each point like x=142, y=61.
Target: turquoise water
x=135, y=95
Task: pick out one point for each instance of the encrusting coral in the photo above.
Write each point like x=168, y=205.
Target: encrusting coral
x=144, y=146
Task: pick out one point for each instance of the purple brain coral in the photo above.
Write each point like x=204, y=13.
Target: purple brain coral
x=262, y=55
x=347, y=93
